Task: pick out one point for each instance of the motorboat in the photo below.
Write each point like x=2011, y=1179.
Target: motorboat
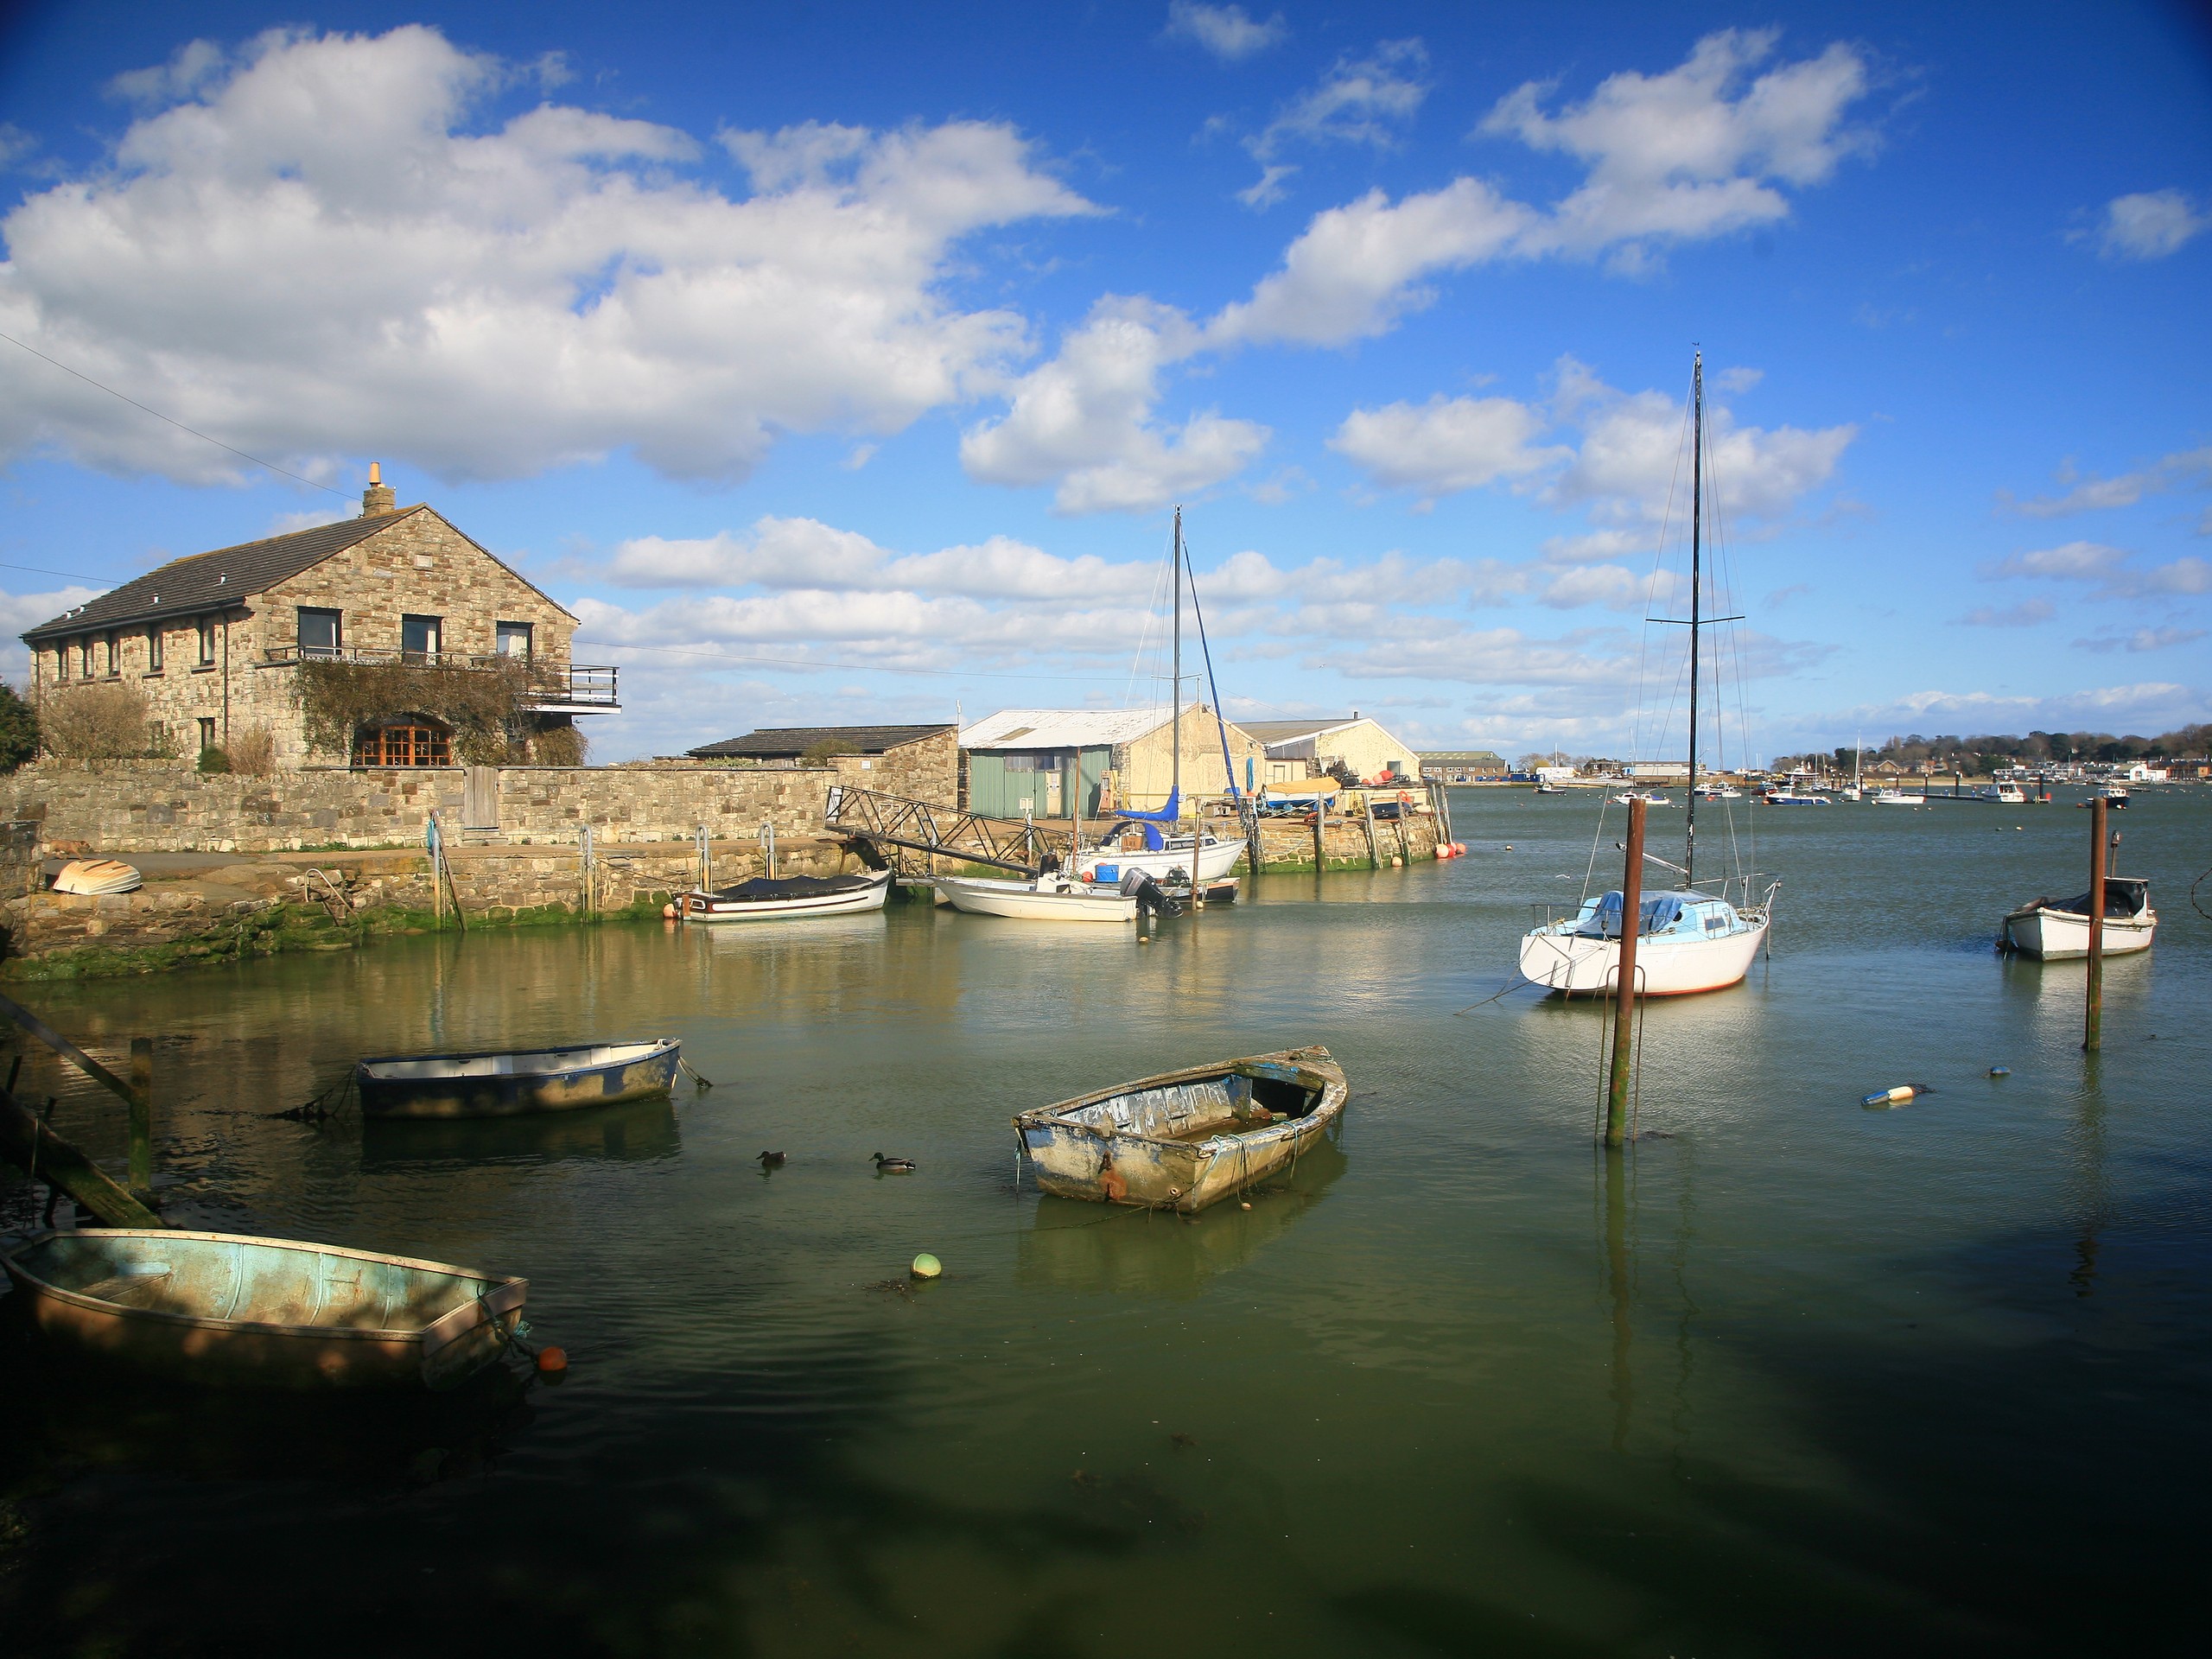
x=785, y=899
x=1649, y=797
x=1686, y=941
x=1719, y=792
x=270, y=1312
x=1183, y=1139
x=1051, y=898
x=2115, y=797
x=2056, y=930
x=1546, y=787
x=1896, y=797
x=2004, y=794
x=1795, y=798
x=503, y=1082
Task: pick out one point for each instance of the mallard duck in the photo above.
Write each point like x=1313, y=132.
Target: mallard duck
x=771, y=1161
x=894, y=1165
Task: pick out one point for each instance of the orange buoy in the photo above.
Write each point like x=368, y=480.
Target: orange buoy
x=669, y=912
x=552, y=1362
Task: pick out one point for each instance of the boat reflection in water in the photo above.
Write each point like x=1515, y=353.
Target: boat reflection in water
x=1076, y=1245
x=634, y=1132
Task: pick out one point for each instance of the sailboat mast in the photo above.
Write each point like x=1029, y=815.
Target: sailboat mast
x=1175, y=774
x=1697, y=534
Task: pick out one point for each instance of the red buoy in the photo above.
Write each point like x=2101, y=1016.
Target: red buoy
x=552, y=1362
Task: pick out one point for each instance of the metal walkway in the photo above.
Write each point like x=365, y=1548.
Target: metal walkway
x=893, y=824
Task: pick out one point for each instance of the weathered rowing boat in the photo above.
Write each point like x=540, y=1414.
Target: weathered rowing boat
x=268, y=1313
x=500, y=1084
x=1051, y=898
x=1183, y=1139
x=790, y=898
x=2057, y=929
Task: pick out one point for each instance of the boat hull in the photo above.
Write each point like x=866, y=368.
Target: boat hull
x=474, y=1085
x=1216, y=860
x=702, y=906
x=1574, y=965
x=238, y=1312
x=1085, y=1148
x=2058, y=935
x=1019, y=901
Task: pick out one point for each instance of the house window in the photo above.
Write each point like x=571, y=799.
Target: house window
x=154, y=648
x=61, y=661
x=514, y=639
x=418, y=636
x=321, y=632
x=403, y=743
x=85, y=658
x=207, y=732
x=206, y=642
x=114, y=656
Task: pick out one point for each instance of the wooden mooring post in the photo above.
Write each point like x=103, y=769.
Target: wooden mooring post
x=47, y=1157
x=1623, y=1060
x=142, y=1118
x=2094, y=1014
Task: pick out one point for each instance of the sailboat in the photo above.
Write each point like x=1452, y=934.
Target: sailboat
x=1151, y=842
x=1858, y=791
x=1687, y=940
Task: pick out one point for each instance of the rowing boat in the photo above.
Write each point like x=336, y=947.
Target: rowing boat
x=1183, y=1139
x=266, y=1312
x=501, y=1083
x=1047, y=898
x=789, y=899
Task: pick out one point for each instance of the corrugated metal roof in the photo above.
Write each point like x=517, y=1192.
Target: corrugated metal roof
x=779, y=742
x=208, y=581
x=1064, y=729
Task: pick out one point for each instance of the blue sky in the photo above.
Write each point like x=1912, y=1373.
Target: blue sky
x=835, y=365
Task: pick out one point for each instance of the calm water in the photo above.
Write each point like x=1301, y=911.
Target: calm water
x=1790, y=1377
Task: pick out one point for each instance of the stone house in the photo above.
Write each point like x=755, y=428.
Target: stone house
x=921, y=763
x=1033, y=761
x=1467, y=766
x=218, y=644
x=1299, y=749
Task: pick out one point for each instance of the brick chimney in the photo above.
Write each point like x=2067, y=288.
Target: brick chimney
x=377, y=498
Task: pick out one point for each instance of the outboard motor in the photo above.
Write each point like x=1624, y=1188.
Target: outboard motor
x=1150, y=900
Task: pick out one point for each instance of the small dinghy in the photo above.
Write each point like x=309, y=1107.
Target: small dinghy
x=1187, y=1139
x=1051, y=898
x=502, y=1085
x=92, y=876
x=2056, y=929
x=786, y=898
x=264, y=1313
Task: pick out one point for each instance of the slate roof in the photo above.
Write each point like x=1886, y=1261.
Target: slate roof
x=1281, y=731
x=208, y=582
x=786, y=742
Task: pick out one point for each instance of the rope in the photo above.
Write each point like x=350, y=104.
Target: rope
x=685, y=1066
x=2193, y=903
x=1519, y=980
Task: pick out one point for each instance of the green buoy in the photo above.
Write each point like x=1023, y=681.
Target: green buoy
x=927, y=1266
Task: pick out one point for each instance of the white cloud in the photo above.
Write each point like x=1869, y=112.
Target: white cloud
x=21, y=611
x=1225, y=31
x=2150, y=706
x=2140, y=639
x=1351, y=272
x=1084, y=420
x=2125, y=490
x=2107, y=567
x=1693, y=152
x=2150, y=224
x=322, y=249
x=1446, y=444
x=2026, y=614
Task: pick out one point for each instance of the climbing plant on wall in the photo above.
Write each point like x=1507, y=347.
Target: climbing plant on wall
x=487, y=708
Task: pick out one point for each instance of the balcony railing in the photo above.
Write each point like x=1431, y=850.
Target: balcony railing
x=553, y=687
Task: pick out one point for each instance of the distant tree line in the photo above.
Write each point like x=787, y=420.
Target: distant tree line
x=1947, y=753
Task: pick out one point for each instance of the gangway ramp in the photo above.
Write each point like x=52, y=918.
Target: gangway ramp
x=895, y=824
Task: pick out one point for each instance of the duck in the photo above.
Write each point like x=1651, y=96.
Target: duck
x=894, y=1165
x=771, y=1161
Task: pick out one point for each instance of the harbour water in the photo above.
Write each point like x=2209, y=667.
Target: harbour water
x=1788, y=1376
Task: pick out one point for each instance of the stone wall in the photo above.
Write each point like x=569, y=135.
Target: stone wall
x=927, y=769
x=124, y=807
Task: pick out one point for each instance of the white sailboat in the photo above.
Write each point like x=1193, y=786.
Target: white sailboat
x=1687, y=940
x=1051, y=898
x=1153, y=842
x=1857, y=791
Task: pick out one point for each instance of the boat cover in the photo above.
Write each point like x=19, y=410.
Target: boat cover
x=761, y=888
x=2124, y=896
x=1658, y=912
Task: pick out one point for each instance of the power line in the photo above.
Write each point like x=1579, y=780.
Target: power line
x=180, y=425
x=73, y=575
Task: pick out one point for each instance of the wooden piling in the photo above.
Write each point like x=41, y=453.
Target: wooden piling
x=2093, y=1014
x=142, y=1118
x=1367, y=804
x=47, y=1157
x=1320, y=830
x=1624, y=1063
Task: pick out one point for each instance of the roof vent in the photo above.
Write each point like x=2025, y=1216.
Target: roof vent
x=377, y=498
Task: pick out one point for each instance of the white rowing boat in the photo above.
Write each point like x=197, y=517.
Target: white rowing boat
x=763, y=899
x=2056, y=929
x=1047, y=898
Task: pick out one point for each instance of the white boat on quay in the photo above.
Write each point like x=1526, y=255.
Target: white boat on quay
x=1053, y=898
x=767, y=900
x=2055, y=929
x=1686, y=941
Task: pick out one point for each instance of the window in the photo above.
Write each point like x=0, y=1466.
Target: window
x=404, y=745
x=154, y=648
x=206, y=642
x=114, y=656
x=61, y=661
x=514, y=639
x=418, y=636
x=321, y=632
x=1021, y=762
x=206, y=731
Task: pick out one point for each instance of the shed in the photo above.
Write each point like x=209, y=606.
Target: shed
x=1025, y=761
x=1370, y=754
x=916, y=762
x=1465, y=766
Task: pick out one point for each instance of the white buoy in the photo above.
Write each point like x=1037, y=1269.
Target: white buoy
x=927, y=1266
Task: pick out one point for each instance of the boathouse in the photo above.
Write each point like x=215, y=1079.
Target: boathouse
x=1464, y=766
x=387, y=640
x=1027, y=761
x=919, y=762
x=1299, y=749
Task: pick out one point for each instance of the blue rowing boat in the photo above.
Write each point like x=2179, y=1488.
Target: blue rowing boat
x=501, y=1083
